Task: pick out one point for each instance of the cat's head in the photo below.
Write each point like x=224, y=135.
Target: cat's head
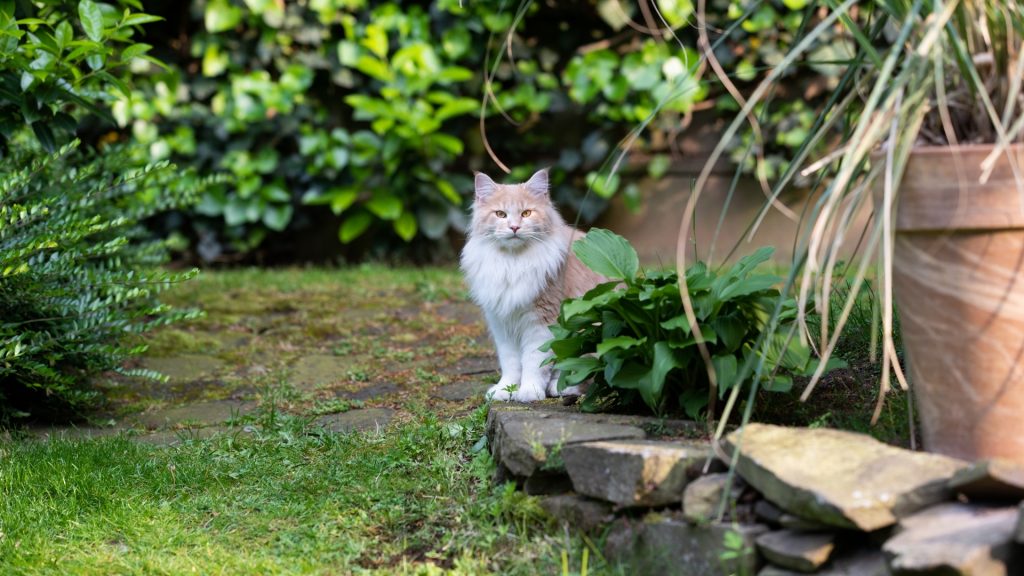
x=513, y=215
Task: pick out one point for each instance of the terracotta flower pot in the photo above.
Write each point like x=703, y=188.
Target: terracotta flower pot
x=958, y=276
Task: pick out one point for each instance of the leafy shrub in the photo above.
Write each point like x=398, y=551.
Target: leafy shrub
x=78, y=274
x=49, y=68
x=372, y=109
x=632, y=337
x=75, y=279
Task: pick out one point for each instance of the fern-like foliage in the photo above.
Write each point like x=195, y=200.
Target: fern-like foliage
x=78, y=274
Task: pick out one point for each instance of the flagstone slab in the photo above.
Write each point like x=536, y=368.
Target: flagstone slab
x=197, y=415
x=185, y=367
x=460, y=391
x=839, y=478
x=959, y=540
x=317, y=370
x=361, y=420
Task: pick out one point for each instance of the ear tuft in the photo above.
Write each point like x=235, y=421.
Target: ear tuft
x=483, y=185
x=538, y=183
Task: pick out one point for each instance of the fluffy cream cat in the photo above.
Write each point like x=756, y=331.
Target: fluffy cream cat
x=519, y=266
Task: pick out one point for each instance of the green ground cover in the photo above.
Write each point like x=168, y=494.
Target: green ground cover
x=316, y=422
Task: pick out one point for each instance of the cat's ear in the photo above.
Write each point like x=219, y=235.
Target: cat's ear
x=538, y=183
x=483, y=184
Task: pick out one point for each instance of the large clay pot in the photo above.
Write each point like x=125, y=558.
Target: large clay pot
x=959, y=285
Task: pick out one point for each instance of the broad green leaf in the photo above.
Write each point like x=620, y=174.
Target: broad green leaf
x=221, y=15
x=375, y=38
x=135, y=50
x=92, y=20
x=779, y=383
x=624, y=342
x=448, y=191
x=726, y=368
x=447, y=142
x=575, y=307
x=730, y=329
x=354, y=226
x=374, y=68
x=405, y=226
x=748, y=285
x=385, y=207
x=138, y=19
x=631, y=375
x=677, y=323
x=607, y=254
x=653, y=385
x=277, y=216
x=576, y=370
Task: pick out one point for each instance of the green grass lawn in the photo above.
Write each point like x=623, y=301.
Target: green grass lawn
x=273, y=494
x=414, y=500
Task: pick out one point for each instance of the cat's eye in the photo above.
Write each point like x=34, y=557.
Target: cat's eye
x=526, y=213
x=500, y=214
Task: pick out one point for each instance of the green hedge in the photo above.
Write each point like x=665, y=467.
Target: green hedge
x=371, y=110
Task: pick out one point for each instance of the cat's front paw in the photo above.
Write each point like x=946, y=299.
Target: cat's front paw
x=502, y=391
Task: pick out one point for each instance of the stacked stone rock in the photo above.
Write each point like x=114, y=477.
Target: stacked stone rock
x=800, y=501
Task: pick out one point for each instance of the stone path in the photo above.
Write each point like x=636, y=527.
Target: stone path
x=350, y=358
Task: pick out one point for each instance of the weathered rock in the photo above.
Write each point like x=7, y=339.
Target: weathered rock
x=578, y=512
x=860, y=563
x=362, y=420
x=526, y=441
x=1019, y=537
x=840, y=478
x=956, y=539
x=633, y=472
x=990, y=480
x=185, y=367
x=460, y=391
x=666, y=545
x=800, y=551
x=768, y=512
x=196, y=415
x=702, y=496
x=323, y=370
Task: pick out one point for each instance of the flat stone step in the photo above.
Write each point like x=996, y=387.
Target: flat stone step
x=839, y=478
x=633, y=472
x=527, y=441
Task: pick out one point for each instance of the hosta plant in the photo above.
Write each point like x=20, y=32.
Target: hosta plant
x=631, y=338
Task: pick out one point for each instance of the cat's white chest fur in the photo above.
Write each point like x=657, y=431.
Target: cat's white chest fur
x=505, y=283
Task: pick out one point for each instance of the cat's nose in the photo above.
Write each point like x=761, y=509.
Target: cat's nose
x=514, y=229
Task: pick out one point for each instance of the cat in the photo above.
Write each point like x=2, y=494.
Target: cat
x=519, y=266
